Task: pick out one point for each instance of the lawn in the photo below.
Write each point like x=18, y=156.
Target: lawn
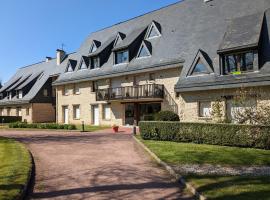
x=218, y=187
x=15, y=165
x=90, y=128
x=188, y=153
x=232, y=187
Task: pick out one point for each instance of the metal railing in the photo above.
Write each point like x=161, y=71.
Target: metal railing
x=131, y=92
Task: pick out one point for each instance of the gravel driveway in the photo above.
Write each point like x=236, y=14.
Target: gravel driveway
x=99, y=165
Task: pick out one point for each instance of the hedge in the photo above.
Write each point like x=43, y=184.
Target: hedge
x=42, y=126
x=10, y=119
x=253, y=136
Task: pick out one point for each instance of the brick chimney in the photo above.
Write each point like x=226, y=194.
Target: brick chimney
x=60, y=54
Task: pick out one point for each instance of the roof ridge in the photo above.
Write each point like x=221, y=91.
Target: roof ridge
x=124, y=21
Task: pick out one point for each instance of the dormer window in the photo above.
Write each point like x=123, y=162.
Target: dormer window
x=69, y=68
x=95, y=62
x=238, y=62
x=200, y=68
x=94, y=46
x=153, y=31
x=71, y=65
x=121, y=57
x=83, y=66
x=145, y=50
x=9, y=95
x=20, y=94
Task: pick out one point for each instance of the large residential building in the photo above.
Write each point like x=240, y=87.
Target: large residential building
x=182, y=58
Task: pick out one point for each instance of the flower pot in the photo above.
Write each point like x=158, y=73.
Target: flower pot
x=115, y=129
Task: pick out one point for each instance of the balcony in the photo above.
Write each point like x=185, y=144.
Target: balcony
x=149, y=91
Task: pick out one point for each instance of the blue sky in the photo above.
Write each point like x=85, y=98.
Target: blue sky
x=32, y=30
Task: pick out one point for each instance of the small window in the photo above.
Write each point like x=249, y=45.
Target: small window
x=45, y=93
x=76, y=89
x=152, y=76
x=205, y=109
x=8, y=111
x=200, y=68
x=237, y=63
x=106, y=112
x=94, y=86
x=20, y=94
x=9, y=95
x=27, y=111
x=153, y=31
x=83, y=65
x=69, y=68
x=76, y=112
x=95, y=62
x=121, y=57
x=93, y=48
x=143, y=52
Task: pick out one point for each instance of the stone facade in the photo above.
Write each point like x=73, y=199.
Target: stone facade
x=68, y=97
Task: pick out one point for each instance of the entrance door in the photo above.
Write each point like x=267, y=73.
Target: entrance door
x=66, y=115
x=95, y=115
x=129, y=114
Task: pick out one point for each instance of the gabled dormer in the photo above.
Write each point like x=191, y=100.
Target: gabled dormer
x=201, y=65
x=84, y=63
x=145, y=50
x=119, y=38
x=71, y=65
x=153, y=31
x=94, y=46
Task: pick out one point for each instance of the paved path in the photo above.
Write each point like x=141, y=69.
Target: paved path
x=98, y=165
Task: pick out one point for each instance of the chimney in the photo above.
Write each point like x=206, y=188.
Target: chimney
x=48, y=59
x=60, y=54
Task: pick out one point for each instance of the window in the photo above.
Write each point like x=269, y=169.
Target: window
x=152, y=76
x=143, y=52
x=76, y=89
x=1, y=112
x=9, y=95
x=8, y=111
x=94, y=86
x=106, y=112
x=18, y=112
x=83, y=65
x=45, y=92
x=76, y=112
x=20, y=94
x=237, y=63
x=69, y=68
x=27, y=111
x=95, y=62
x=66, y=91
x=93, y=48
x=121, y=57
x=153, y=31
x=205, y=109
x=200, y=68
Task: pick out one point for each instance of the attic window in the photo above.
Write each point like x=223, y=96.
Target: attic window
x=153, y=31
x=93, y=48
x=200, y=68
x=69, y=68
x=121, y=57
x=83, y=66
x=95, y=62
x=143, y=52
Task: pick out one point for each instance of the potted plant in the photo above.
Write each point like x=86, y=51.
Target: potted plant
x=115, y=128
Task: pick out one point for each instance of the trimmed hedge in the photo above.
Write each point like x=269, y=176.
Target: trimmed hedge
x=42, y=126
x=167, y=116
x=208, y=133
x=10, y=119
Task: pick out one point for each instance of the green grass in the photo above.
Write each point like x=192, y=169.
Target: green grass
x=90, y=128
x=15, y=165
x=187, y=153
x=232, y=187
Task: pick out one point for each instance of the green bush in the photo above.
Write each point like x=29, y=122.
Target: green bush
x=42, y=126
x=254, y=136
x=167, y=116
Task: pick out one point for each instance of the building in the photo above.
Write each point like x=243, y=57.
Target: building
x=29, y=92
x=183, y=58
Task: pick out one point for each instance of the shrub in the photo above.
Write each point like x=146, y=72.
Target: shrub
x=42, y=126
x=206, y=133
x=167, y=116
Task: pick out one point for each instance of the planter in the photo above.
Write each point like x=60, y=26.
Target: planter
x=115, y=129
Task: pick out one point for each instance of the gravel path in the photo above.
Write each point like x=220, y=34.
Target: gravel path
x=98, y=165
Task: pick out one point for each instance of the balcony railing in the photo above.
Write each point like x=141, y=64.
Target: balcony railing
x=131, y=92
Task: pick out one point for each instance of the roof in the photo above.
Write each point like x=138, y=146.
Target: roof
x=27, y=74
x=186, y=27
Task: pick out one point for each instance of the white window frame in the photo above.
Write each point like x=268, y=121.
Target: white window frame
x=204, y=109
x=77, y=89
x=106, y=112
x=76, y=112
x=20, y=96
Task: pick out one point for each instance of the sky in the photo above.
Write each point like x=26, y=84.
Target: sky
x=33, y=29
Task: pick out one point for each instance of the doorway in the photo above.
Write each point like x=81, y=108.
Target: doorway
x=95, y=115
x=66, y=113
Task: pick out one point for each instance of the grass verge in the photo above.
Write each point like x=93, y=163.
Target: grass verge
x=15, y=165
x=188, y=153
x=90, y=128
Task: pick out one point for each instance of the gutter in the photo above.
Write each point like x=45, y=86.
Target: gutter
x=159, y=66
